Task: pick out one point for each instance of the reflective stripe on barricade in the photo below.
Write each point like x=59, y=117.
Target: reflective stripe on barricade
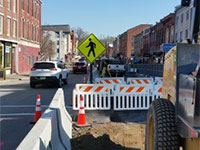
x=109, y=81
x=132, y=101
x=96, y=88
x=96, y=96
x=139, y=81
x=134, y=89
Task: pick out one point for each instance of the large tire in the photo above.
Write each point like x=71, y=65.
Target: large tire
x=161, y=129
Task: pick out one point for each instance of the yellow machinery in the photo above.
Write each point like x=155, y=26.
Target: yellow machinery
x=173, y=121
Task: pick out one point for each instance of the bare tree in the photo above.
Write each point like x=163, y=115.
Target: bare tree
x=47, y=47
x=106, y=39
x=80, y=33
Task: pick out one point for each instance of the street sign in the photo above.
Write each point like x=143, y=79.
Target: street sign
x=167, y=47
x=91, y=48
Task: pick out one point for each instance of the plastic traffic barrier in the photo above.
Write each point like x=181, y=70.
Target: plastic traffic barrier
x=96, y=96
x=109, y=81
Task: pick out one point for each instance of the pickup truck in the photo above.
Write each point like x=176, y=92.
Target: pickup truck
x=116, y=67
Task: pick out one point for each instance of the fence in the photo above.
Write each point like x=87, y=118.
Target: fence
x=137, y=94
x=96, y=96
x=149, y=69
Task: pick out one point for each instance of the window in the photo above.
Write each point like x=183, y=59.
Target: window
x=28, y=6
x=14, y=28
x=27, y=30
x=33, y=60
x=22, y=28
x=14, y=6
x=32, y=7
x=1, y=2
x=8, y=26
x=8, y=56
x=32, y=33
x=182, y=17
x=181, y=36
x=186, y=34
x=29, y=60
x=176, y=37
x=1, y=24
x=1, y=56
x=8, y=2
x=22, y=4
x=187, y=15
x=177, y=19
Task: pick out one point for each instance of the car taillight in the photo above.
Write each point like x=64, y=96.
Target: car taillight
x=33, y=69
x=53, y=69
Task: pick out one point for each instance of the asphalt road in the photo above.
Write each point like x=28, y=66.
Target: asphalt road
x=17, y=102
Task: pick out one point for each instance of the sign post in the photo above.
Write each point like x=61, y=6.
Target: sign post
x=91, y=48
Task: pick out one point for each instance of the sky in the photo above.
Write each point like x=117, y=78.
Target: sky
x=105, y=17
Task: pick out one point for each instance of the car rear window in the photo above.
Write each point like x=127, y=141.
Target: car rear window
x=44, y=65
x=79, y=64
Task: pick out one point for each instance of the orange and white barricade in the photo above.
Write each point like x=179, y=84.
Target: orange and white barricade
x=139, y=81
x=96, y=96
x=113, y=81
x=157, y=89
x=133, y=97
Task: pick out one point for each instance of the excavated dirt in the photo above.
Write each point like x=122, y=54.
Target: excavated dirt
x=109, y=136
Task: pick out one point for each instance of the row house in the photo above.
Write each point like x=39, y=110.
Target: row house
x=20, y=34
x=162, y=32
x=184, y=22
x=126, y=40
x=64, y=40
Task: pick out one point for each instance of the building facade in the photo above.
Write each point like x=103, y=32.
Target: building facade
x=64, y=39
x=20, y=33
x=184, y=22
x=146, y=40
x=127, y=40
x=162, y=32
x=138, y=44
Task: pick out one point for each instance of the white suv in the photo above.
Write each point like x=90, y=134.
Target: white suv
x=48, y=72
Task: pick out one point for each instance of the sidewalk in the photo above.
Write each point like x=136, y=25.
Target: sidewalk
x=15, y=78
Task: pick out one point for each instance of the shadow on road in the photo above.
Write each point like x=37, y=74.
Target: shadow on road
x=89, y=142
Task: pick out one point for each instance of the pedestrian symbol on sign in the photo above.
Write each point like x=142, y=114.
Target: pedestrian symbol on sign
x=92, y=46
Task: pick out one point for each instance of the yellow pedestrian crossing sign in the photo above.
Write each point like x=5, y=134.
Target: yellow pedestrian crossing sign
x=91, y=48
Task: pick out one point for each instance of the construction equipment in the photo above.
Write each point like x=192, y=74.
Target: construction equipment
x=173, y=121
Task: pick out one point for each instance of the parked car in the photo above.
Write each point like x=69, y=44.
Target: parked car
x=80, y=67
x=48, y=72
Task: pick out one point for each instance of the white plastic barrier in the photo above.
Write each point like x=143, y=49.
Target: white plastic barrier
x=140, y=81
x=113, y=81
x=96, y=96
x=53, y=130
x=132, y=101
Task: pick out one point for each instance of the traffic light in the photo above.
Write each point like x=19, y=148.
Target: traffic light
x=185, y=3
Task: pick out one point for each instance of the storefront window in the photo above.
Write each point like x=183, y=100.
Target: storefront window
x=1, y=56
x=8, y=53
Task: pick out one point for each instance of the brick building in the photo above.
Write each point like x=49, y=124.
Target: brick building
x=146, y=40
x=162, y=32
x=20, y=34
x=127, y=39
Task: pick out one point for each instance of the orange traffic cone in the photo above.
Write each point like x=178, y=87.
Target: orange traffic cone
x=37, y=109
x=81, y=116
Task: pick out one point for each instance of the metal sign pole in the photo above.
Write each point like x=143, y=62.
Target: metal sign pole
x=91, y=75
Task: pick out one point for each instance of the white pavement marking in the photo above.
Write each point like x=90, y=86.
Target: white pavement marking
x=16, y=114
x=26, y=106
